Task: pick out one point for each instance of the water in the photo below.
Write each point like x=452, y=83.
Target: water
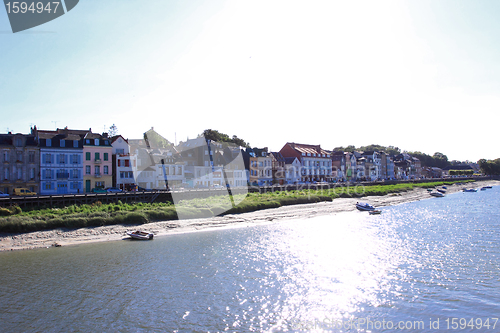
x=415, y=264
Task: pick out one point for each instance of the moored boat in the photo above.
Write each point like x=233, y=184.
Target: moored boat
x=141, y=235
x=469, y=190
x=437, y=194
x=441, y=190
x=363, y=206
x=375, y=212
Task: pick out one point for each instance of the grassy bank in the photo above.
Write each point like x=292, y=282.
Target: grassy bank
x=15, y=220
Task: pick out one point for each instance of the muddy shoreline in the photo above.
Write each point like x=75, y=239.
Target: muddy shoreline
x=62, y=237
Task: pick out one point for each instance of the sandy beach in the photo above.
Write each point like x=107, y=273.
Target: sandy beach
x=44, y=239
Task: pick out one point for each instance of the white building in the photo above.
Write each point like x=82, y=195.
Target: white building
x=292, y=170
x=125, y=164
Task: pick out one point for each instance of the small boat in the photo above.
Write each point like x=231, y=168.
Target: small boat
x=469, y=190
x=441, y=190
x=444, y=187
x=429, y=190
x=485, y=187
x=141, y=235
x=437, y=194
x=363, y=206
x=375, y=212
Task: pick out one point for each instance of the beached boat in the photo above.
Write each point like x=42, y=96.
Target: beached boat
x=437, y=194
x=469, y=190
x=441, y=190
x=363, y=206
x=375, y=212
x=141, y=235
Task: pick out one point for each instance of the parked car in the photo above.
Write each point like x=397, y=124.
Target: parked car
x=98, y=190
x=3, y=195
x=23, y=192
x=113, y=190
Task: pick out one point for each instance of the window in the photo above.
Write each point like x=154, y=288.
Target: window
x=87, y=141
x=62, y=159
x=120, y=151
x=130, y=174
x=32, y=173
x=87, y=156
x=19, y=156
x=6, y=174
x=87, y=169
x=122, y=174
x=96, y=142
x=48, y=174
x=48, y=186
x=97, y=170
x=106, y=170
x=127, y=163
x=19, y=173
x=106, y=156
x=62, y=143
x=97, y=156
x=75, y=173
x=75, y=143
x=74, y=159
x=31, y=157
x=6, y=156
x=48, y=158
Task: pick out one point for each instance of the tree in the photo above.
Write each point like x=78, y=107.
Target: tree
x=113, y=130
x=155, y=140
x=217, y=136
x=440, y=160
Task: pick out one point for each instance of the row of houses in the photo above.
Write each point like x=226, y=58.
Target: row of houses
x=79, y=161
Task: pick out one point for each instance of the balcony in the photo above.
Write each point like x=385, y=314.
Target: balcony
x=98, y=161
x=98, y=175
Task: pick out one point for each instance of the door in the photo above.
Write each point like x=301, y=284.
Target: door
x=62, y=188
x=87, y=185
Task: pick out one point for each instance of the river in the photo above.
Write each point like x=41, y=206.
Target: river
x=426, y=266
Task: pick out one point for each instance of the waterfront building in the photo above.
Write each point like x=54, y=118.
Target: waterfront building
x=373, y=165
x=261, y=167
x=278, y=168
x=338, y=166
x=97, y=161
x=124, y=164
x=61, y=155
x=350, y=166
x=19, y=162
x=292, y=170
x=316, y=163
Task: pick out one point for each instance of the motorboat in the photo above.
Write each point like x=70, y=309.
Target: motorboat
x=437, y=194
x=469, y=190
x=441, y=190
x=363, y=206
x=140, y=235
x=375, y=212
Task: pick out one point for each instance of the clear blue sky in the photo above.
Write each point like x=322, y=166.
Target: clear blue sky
x=419, y=75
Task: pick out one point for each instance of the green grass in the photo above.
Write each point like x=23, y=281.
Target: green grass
x=15, y=220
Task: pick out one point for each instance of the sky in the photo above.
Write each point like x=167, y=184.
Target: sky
x=419, y=75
